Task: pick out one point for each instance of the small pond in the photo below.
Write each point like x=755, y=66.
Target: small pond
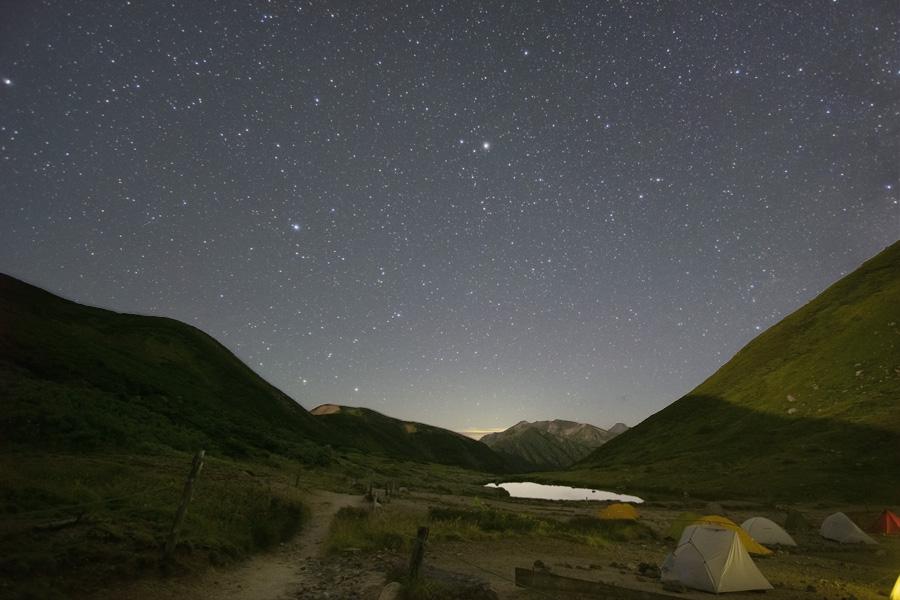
x=560, y=492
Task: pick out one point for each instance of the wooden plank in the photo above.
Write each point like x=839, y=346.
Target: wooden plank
x=186, y=495
x=548, y=581
x=418, y=553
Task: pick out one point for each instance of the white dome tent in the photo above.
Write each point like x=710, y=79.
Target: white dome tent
x=713, y=559
x=765, y=531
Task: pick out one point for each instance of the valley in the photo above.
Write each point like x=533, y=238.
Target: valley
x=304, y=567
x=101, y=412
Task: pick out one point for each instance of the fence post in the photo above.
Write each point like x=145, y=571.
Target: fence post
x=196, y=465
x=418, y=552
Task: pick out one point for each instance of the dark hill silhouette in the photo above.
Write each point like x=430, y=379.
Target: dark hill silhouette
x=808, y=409
x=371, y=431
x=78, y=378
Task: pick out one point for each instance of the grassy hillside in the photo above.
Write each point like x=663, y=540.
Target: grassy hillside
x=809, y=409
x=371, y=431
x=78, y=378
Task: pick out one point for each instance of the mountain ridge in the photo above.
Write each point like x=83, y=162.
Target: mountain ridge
x=548, y=445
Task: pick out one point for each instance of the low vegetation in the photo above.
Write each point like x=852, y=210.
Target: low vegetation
x=373, y=530
x=68, y=519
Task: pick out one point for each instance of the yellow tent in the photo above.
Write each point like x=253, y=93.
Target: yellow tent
x=725, y=523
x=895, y=593
x=619, y=511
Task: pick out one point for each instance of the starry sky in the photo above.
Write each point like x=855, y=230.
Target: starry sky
x=463, y=213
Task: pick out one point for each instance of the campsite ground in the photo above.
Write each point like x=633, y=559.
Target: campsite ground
x=816, y=569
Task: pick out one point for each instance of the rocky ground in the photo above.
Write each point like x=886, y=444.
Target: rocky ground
x=817, y=569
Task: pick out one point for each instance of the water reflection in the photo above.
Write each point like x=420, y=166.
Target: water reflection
x=540, y=491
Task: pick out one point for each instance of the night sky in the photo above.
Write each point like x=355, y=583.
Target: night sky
x=465, y=214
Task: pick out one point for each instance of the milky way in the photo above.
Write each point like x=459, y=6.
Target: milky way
x=466, y=214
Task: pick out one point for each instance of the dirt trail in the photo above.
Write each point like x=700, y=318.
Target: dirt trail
x=272, y=576
x=278, y=575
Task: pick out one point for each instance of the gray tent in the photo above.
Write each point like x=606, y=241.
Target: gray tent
x=840, y=528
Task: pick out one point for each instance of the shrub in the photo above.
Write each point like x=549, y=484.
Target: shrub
x=489, y=520
x=360, y=528
x=594, y=531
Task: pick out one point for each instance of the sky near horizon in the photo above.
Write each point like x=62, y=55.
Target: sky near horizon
x=464, y=214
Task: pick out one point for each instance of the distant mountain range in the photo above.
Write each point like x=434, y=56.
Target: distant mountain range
x=809, y=409
x=549, y=445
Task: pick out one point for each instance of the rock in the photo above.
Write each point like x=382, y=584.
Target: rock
x=714, y=508
x=674, y=586
x=539, y=565
x=390, y=592
x=648, y=570
x=811, y=589
x=457, y=584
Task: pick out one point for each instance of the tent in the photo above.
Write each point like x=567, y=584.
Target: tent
x=795, y=521
x=895, y=593
x=712, y=559
x=726, y=523
x=840, y=528
x=887, y=524
x=680, y=522
x=764, y=531
x=619, y=511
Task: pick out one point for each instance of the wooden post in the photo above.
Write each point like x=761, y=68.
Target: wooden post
x=418, y=552
x=186, y=495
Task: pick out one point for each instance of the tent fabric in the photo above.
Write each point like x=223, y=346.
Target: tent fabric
x=795, y=521
x=680, y=522
x=895, y=593
x=619, y=511
x=712, y=559
x=840, y=528
x=887, y=524
x=726, y=523
x=764, y=531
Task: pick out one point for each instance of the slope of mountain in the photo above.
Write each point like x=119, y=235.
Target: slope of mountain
x=371, y=431
x=83, y=378
x=547, y=445
x=74, y=377
x=809, y=409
